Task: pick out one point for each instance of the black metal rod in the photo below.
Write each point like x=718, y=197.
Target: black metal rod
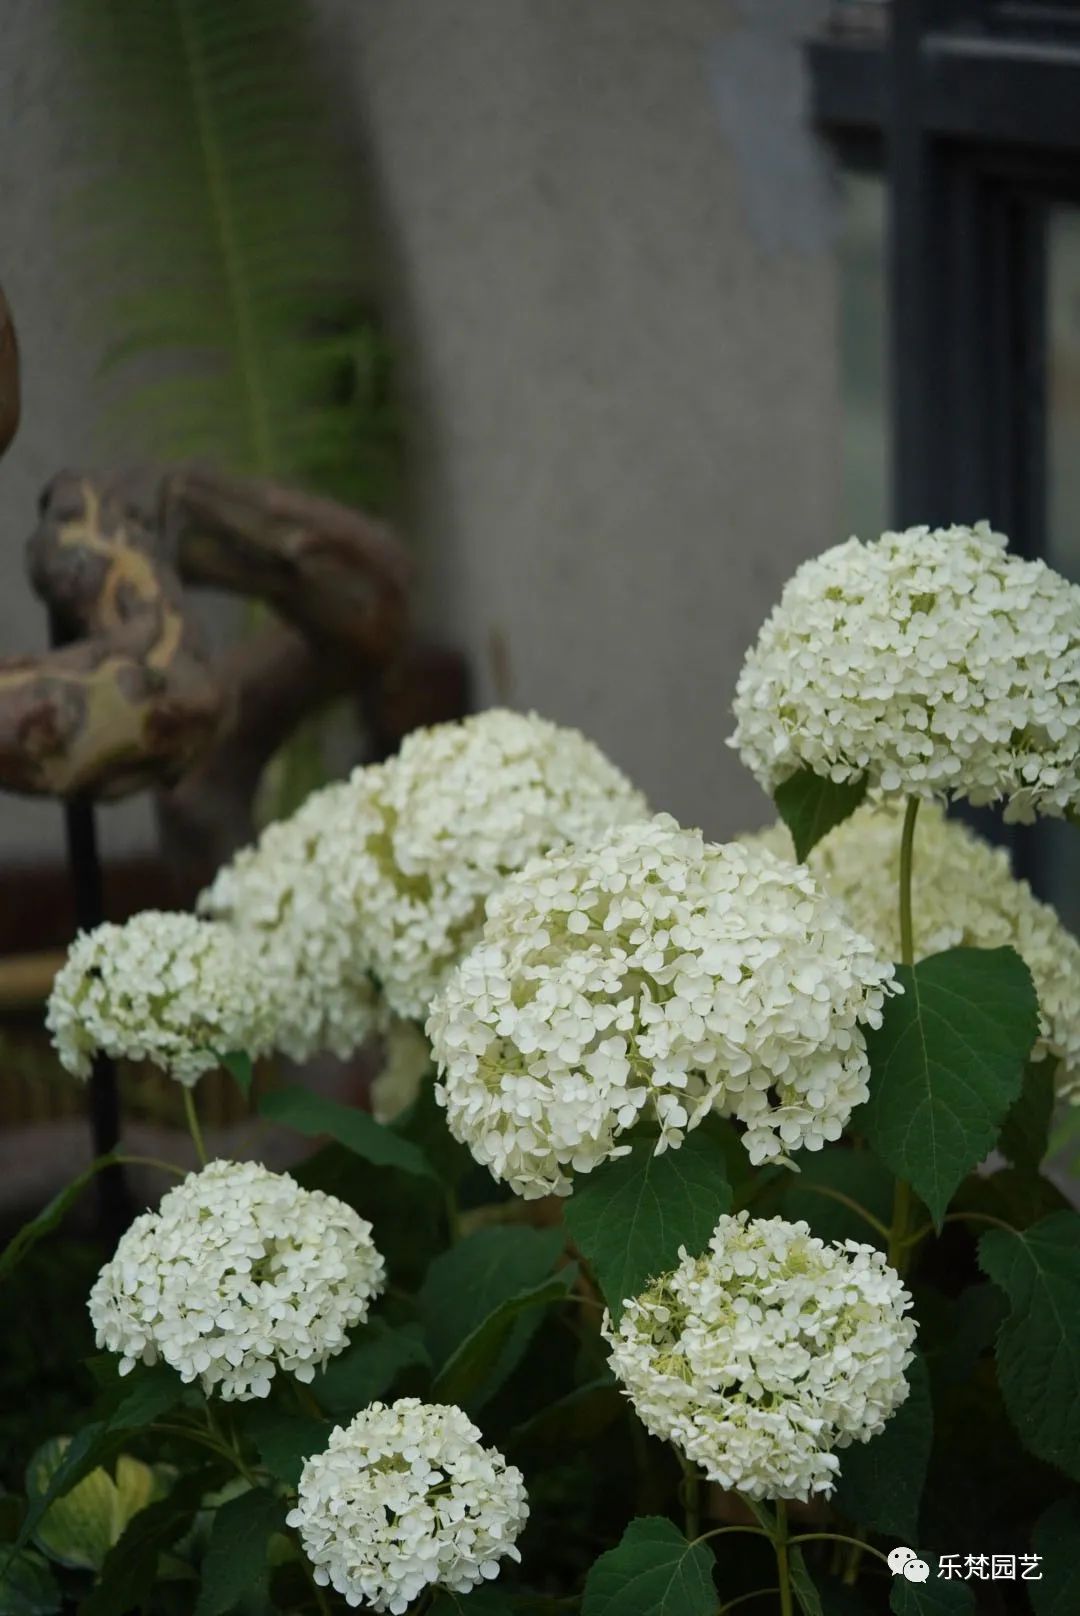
x=88, y=893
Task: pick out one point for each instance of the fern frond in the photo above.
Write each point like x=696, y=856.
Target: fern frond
x=219, y=244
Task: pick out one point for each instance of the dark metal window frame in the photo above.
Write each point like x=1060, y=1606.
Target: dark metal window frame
x=971, y=108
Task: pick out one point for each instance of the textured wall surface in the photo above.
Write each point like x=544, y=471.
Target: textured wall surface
x=604, y=238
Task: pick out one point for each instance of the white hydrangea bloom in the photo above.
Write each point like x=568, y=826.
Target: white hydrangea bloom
x=406, y=1497
x=766, y=1354
x=964, y=894
x=381, y=879
x=468, y=804
x=239, y=1273
x=653, y=975
x=296, y=897
x=166, y=988
x=407, y=1064
x=932, y=662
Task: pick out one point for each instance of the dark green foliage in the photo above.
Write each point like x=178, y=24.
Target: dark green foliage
x=811, y=805
x=946, y=1065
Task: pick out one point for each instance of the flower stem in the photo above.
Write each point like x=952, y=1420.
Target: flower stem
x=193, y=1124
x=907, y=844
x=691, y=1497
x=783, y=1569
x=901, y=1212
x=839, y=1537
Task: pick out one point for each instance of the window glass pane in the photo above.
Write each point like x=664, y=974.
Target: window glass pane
x=865, y=499
x=1063, y=486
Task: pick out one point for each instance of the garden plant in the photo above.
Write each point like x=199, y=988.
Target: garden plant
x=698, y=1255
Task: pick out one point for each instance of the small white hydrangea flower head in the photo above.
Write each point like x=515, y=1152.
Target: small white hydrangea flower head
x=932, y=662
x=239, y=1273
x=295, y=898
x=648, y=977
x=166, y=988
x=763, y=1357
x=406, y=1497
x=964, y=894
x=467, y=805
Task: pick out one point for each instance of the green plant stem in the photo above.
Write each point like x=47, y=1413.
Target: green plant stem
x=907, y=846
x=783, y=1569
x=901, y=1212
x=193, y=1124
x=961, y=1217
x=723, y=1531
x=691, y=1497
x=744, y=1599
x=152, y=1161
x=853, y=1206
x=838, y=1537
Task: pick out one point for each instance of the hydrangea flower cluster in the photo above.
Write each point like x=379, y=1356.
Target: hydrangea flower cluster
x=405, y=1497
x=467, y=805
x=296, y=898
x=166, y=988
x=932, y=662
x=963, y=894
x=239, y=1273
x=383, y=878
x=650, y=975
x=761, y=1357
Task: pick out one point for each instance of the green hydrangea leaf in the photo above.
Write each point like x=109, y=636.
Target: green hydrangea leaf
x=315, y=1115
x=811, y=805
x=946, y=1065
x=1038, y=1347
x=810, y=1196
x=931, y=1598
x=236, y=1558
x=284, y=1440
x=369, y=1366
x=653, y=1571
x=465, y=1286
x=802, y=1585
x=630, y=1217
x=881, y=1481
x=147, y=1393
x=132, y=1567
x=28, y=1587
x=571, y=1422
x=478, y=1602
x=240, y=1069
x=1057, y=1540
x=1025, y=1133
x=479, y=1366
x=79, y=1529
x=28, y=1236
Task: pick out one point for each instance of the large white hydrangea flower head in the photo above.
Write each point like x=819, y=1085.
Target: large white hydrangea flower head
x=239, y=1273
x=761, y=1358
x=164, y=987
x=467, y=805
x=648, y=977
x=367, y=896
x=405, y=1497
x=964, y=894
x=932, y=662
x=295, y=897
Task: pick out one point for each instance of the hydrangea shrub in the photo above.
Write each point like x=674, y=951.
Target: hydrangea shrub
x=699, y=1254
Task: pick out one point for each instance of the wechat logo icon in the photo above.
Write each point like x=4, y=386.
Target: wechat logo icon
x=906, y=1563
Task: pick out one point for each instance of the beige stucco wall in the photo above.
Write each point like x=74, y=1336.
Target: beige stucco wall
x=604, y=238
